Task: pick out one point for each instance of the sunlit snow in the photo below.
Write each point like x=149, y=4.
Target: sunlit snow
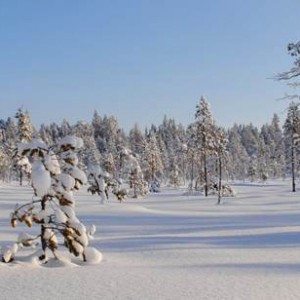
x=170, y=245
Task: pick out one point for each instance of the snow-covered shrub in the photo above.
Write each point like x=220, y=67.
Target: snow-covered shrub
x=213, y=189
x=137, y=184
x=226, y=189
x=102, y=184
x=154, y=186
x=55, y=177
x=98, y=180
x=130, y=182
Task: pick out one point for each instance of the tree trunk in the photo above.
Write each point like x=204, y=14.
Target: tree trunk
x=293, y=166
x=192, y=173
x=21, y=176
x=220, y=181
x=152, y=168
x=183, y=172
x=43, y=230
x=205, y=176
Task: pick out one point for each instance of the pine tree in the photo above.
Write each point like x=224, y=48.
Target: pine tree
x=205, y=125
x=55, y=177
x=5, y=163
x=249, y=139
x=292, y=133
x=25, y=133
x=45, y=134
x=220, y=146
x=277, y=160
x=263, y=159
x=136, y=140
x=25, y=128
x=132, y=173
x=11, y=133
x=89, y=154
x=97, y=124
x=237, y=155
x=153, y=159
x=191, y=154
x=65, y=128
x=252, y=171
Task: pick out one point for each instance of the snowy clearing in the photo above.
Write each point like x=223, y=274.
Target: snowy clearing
x=168, y=246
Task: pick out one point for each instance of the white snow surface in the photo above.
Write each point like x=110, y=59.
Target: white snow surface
x=167, y=246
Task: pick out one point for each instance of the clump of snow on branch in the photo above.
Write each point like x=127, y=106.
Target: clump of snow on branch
x=41, y=179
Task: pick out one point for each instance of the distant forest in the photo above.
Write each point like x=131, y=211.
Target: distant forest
x=169, y=153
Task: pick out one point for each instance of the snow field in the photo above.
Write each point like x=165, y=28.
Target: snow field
x=168, y=246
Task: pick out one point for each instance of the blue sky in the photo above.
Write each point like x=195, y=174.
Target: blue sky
x=141, y=60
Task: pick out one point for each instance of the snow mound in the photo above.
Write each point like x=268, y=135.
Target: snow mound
x=92, y=255
x=62, y=262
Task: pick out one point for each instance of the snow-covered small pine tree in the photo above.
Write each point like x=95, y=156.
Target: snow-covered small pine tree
x=55, y=178
x=252, y=170
x=130, y=182
x=220, y=146
x=134, y=173
x=25, y=128
x=153, y=159
x=25, y=132
x=98, y=180
x=5, y=162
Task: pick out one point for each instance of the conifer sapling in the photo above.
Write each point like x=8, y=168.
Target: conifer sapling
x=55, y=178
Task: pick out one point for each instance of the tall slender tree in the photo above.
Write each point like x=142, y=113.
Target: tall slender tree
x=205, y=125
x=221, y=143
x=292, y=133
x=153, y=159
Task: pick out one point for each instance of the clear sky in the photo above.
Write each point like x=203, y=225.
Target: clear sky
x=142, y=59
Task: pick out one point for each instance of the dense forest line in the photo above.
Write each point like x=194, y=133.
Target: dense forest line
x=169, y=153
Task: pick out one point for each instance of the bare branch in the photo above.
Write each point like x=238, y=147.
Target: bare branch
x=289, y=97
x=293, y=50
x=292, y=73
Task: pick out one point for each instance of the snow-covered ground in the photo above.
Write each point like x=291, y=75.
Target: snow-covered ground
x=169, y=246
